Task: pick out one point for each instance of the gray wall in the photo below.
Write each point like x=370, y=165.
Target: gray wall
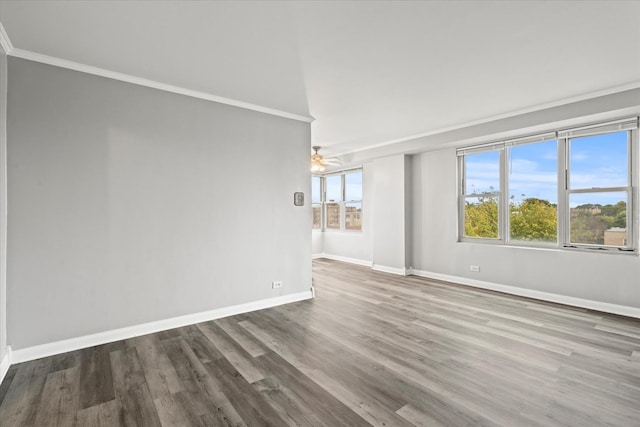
x=408, y=212
x=389, y=239
x=385, y=240
x=431, y=212
x=610, y=278
x=129, y=205
x=354, y=244
x=317, y=244
x=3, y=203
x=567, y=115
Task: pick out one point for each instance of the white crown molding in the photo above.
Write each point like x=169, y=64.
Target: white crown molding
x=605, y=307
x=58, y=62
x=5, y=43
x=532, y=109
x=58, y=347
x=5, y=363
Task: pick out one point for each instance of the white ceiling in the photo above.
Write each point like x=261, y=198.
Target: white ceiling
x=369, y=72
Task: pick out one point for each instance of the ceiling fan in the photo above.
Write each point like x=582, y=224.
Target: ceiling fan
x=318, y=162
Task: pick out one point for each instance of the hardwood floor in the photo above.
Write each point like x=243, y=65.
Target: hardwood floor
x=370, y=349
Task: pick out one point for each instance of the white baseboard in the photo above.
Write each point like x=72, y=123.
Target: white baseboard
x=392, y=270
x=49, y=349
x=377, y=267
x=5, y=363
x=530, y=293
x=343, y=259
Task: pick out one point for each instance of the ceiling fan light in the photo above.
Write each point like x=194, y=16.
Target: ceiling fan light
x=317, y=161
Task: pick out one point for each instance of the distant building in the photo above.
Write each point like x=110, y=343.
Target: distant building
x=615, y=236
x=353, y=218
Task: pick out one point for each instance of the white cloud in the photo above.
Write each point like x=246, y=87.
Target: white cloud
x=579, y=156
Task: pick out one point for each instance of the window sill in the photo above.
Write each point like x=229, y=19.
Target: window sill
x=554, y=248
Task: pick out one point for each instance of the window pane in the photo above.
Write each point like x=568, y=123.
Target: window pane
x=533, y=192
x=316, y=210
x=333, y=215
x=353, y=216
x=334, y=188
x=598, y=218
x=533, y=220
x=353, y=185
x=599, y=161
x=482, y=172
x=481, y=217
x=316, y=197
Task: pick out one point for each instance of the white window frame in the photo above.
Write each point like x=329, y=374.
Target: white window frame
x=631, y=127
x=531, y=139
x=499, y=194
x=563, y=138
x=345, y=201
x=320, y=204
x=326, y=203
x=341, y=203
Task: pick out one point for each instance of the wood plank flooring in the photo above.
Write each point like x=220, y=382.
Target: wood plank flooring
x=370, y=349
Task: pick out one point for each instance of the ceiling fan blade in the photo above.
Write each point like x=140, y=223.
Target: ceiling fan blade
x=317, y=160
x=331, y=161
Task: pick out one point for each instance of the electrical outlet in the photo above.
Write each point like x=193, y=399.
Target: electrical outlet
x=474, y=268
x=276, y=284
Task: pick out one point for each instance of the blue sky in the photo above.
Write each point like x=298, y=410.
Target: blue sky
x=353, y=187
x=595, y=161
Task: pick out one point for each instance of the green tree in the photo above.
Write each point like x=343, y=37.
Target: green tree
x=590, y=221
x=621, y=219
x=587, y=226
x=613, y=210
x=534, y=220
x=481, y=219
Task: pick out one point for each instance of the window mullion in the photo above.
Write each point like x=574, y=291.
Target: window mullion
x=633, y=210
x=503, y=208
x=343, y=209
x=461, y=197
x=323, y=225
x=563, y=192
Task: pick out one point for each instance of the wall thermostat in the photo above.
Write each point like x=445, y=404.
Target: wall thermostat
x=298, y=198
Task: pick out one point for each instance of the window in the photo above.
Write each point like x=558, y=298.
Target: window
x=333, y=199
x=481, y=182
x=599, y=189
x=337, y=201
x=570, y=189
x=316, y=202
x=353, y=200
x=532, y=171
